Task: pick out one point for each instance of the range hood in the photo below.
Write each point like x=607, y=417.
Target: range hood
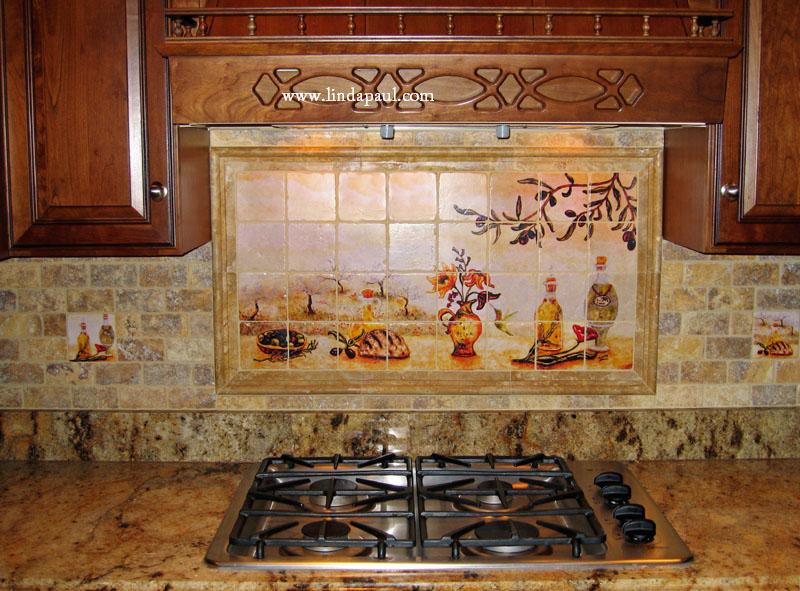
x=235, y=64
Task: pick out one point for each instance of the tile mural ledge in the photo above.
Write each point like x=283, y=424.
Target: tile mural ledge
x=251, y=436
x=347, y=267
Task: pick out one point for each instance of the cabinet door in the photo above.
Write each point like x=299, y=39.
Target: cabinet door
x=771, y=168
x=735, y=187
x=87, y=124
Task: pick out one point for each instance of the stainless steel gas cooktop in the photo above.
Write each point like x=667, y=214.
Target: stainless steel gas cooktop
x=442, y=512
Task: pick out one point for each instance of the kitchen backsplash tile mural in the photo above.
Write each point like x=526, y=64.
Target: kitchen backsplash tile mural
x=722, y=319
x=508, y=266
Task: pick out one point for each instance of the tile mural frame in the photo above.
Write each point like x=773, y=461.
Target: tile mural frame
x=441, y=151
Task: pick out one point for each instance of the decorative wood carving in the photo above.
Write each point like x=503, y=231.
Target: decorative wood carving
x=462, y=88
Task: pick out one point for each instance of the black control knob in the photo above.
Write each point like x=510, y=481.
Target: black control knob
x=606, y=478
x=629, y=512
x=616, y=494
x=639, y=531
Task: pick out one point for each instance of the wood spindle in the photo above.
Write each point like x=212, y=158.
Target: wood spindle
x=451, y=25
x=548, y=24
x=301, y=24
x=401, y=24
x=351, y=24
x=202, y=28
x=499, y=25
x=251, y=25
x=695, y=27
x=645, y=25
x=598, y=24
x=715, y=28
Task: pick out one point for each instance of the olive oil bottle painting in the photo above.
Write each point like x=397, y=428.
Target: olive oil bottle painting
x=90, y=337
x=436, y=270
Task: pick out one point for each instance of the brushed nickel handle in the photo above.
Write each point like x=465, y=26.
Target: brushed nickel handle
x=157, y=191
x=730, y=191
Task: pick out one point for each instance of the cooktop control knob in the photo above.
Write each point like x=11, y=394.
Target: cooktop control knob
x=639, y=531
x=606, y=478
x=616, y=494
x=629, y=512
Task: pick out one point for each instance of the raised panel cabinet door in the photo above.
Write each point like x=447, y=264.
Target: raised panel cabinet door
x=87, y=123
x=771, y=168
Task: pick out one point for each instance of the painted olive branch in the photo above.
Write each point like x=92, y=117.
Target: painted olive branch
x=609, y=200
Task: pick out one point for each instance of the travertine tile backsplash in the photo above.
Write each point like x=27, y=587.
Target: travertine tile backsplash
x=163, y=320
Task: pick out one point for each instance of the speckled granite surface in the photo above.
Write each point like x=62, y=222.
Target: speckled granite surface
x=145, y=527
x=248, y=436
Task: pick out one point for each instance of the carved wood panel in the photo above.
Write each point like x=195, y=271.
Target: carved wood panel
x=446, y=89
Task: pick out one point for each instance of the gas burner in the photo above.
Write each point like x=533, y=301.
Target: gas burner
x=331, y=499
x=510, y=530
x=324, y=531
x=499, y=502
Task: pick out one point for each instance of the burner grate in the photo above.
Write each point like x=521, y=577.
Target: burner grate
x=495, y=500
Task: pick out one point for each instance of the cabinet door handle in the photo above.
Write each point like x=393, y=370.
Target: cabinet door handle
x=730, y=191
x=157, y=191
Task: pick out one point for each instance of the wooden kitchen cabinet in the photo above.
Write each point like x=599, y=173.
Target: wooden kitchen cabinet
x=735, y=187
x=93, y=165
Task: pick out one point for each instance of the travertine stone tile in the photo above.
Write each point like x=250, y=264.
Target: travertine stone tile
x=756, y=274
x=9, y=349
x=774, y=395
x=169, y=274
x=703, y=372
x=731, y=298
x=64, y=275
x=118, y=373
x=778, y=298
x=113, y=274
x=90, y=300
x=707, y=274
x=21, y=373
x=8, y=300
x=751, y=372
x=791, y=273
x=728, y=348
x=706, y=323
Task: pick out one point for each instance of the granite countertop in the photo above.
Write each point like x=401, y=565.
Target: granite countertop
x=147, y=526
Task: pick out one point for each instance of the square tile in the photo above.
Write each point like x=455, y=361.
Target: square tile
x=263, y=345
x=91, y=337
x=362, y=196
x=260, y=247
x=311, y=247
x=364, y=339
x=411, y=297
x=312, y=296
x=507, y=342
x=571, y=292
x=518, y=297
x=361, y=247
x=420, y=339
x=312, y=345
x=446, y=346
x=507, y=190
x=564, y=196
x=311, y=196
x=260, y=196
x=261, y=296
x=607, y=242
x=619, y=356
x=466, y=190
x=505, y=257
x=362, y=298
x=775, y=334
x=562, y=251
x=412, y=196
x=460, y=236
x=412, y=247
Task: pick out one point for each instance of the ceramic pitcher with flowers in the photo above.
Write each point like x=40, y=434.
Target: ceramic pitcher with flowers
x=463, y=288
